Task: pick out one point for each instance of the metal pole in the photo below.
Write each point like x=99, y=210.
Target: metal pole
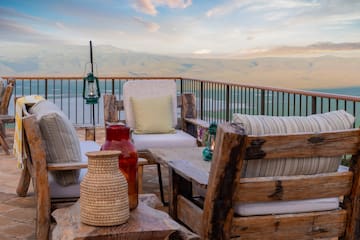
x=91, y=58
x=92, y=71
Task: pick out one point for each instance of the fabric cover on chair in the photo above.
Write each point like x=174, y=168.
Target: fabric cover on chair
x=148, y=89
x=72, y=190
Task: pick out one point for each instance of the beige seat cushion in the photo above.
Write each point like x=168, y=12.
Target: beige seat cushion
x=148, y=89
x=60, y=138
x=179, y=139
x=153, y=115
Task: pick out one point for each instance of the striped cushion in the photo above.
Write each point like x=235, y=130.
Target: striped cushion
x=260, y=125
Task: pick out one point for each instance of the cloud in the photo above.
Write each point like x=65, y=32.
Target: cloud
x=202, y=52
x=149, y=6
x=13, y=14
x=16, y=32
x=316, y=48
x=150, y=26
x=257, y=5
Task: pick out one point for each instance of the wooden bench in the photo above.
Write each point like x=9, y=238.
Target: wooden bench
x=214, y=216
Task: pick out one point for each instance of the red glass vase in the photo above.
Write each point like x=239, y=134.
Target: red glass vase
x=118, y=138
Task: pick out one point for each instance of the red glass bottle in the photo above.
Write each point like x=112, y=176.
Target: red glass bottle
x=118, y=138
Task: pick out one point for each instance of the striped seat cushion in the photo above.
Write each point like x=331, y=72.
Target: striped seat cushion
x=261, y=125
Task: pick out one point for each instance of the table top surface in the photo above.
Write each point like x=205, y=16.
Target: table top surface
x=187, y=161
x=145, y=222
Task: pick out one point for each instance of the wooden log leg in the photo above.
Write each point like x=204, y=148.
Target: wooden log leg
x=24, y=182
x=90, y=134
x=177, y=186
x=3, y=142
x=141, y=163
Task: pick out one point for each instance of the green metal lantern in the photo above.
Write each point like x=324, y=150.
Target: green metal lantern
x=210, y=143
x=91, y=90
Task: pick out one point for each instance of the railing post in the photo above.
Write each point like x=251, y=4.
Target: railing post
x=313, y=105
x=202, y=100
x=227, y=107
x=113, y=86
x=262, y=111
x=181, y=86
x=46, y=88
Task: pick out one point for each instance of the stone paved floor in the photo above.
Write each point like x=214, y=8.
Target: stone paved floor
x=17, y=214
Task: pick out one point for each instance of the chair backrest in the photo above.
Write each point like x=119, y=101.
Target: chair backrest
x=148, y=89
x=225, y=186
x=6, y=96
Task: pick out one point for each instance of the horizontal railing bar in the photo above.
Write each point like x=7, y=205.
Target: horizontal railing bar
x=267, y=88
x=216, y=100
x=286, y=90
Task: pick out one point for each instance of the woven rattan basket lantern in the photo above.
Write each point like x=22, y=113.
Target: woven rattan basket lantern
x=104, y=191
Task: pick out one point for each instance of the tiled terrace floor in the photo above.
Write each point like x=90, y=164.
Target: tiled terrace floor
x=17, y=214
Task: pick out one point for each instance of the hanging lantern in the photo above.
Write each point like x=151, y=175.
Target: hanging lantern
x=91, y=90
x=210, y=143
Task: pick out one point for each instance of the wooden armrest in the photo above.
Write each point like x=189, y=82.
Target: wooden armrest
x=7, y=118
x=66, y=166
x=197, y=122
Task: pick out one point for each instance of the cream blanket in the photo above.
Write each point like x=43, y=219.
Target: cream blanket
x=18, y=143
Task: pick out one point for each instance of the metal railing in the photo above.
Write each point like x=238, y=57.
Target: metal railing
x=216, y=101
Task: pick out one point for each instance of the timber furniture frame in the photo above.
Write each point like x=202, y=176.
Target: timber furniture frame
x=188, y=123
x=4, y=117
x=36, y=170
x=214, y=218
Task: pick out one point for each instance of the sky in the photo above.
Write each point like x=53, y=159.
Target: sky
x=207, y=28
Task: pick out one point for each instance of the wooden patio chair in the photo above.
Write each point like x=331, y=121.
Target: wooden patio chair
x=217, y=217
x=5, y=96
x=148, y=90
x=49, y=194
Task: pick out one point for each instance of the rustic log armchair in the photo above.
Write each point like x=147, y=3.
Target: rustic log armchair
x=6, y=90
x=151, y=97
x=225, y=212
x=51, y=193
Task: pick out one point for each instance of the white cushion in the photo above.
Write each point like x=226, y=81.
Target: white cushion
x=146, y=89
x=171, y=140
x=283, y=207
x=72, y=190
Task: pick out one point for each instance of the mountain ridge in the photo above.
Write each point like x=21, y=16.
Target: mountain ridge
x=290, y=72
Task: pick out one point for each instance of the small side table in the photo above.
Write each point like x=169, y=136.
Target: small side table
x=145, y=222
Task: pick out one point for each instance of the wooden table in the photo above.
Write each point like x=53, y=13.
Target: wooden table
x=190, y=159
x=145, y=223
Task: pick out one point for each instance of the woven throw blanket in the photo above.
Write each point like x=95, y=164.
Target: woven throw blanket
x=18, y=143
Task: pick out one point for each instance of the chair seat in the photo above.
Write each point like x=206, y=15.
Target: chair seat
x=72, y=190
x=177, y=139
x=283, y=207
